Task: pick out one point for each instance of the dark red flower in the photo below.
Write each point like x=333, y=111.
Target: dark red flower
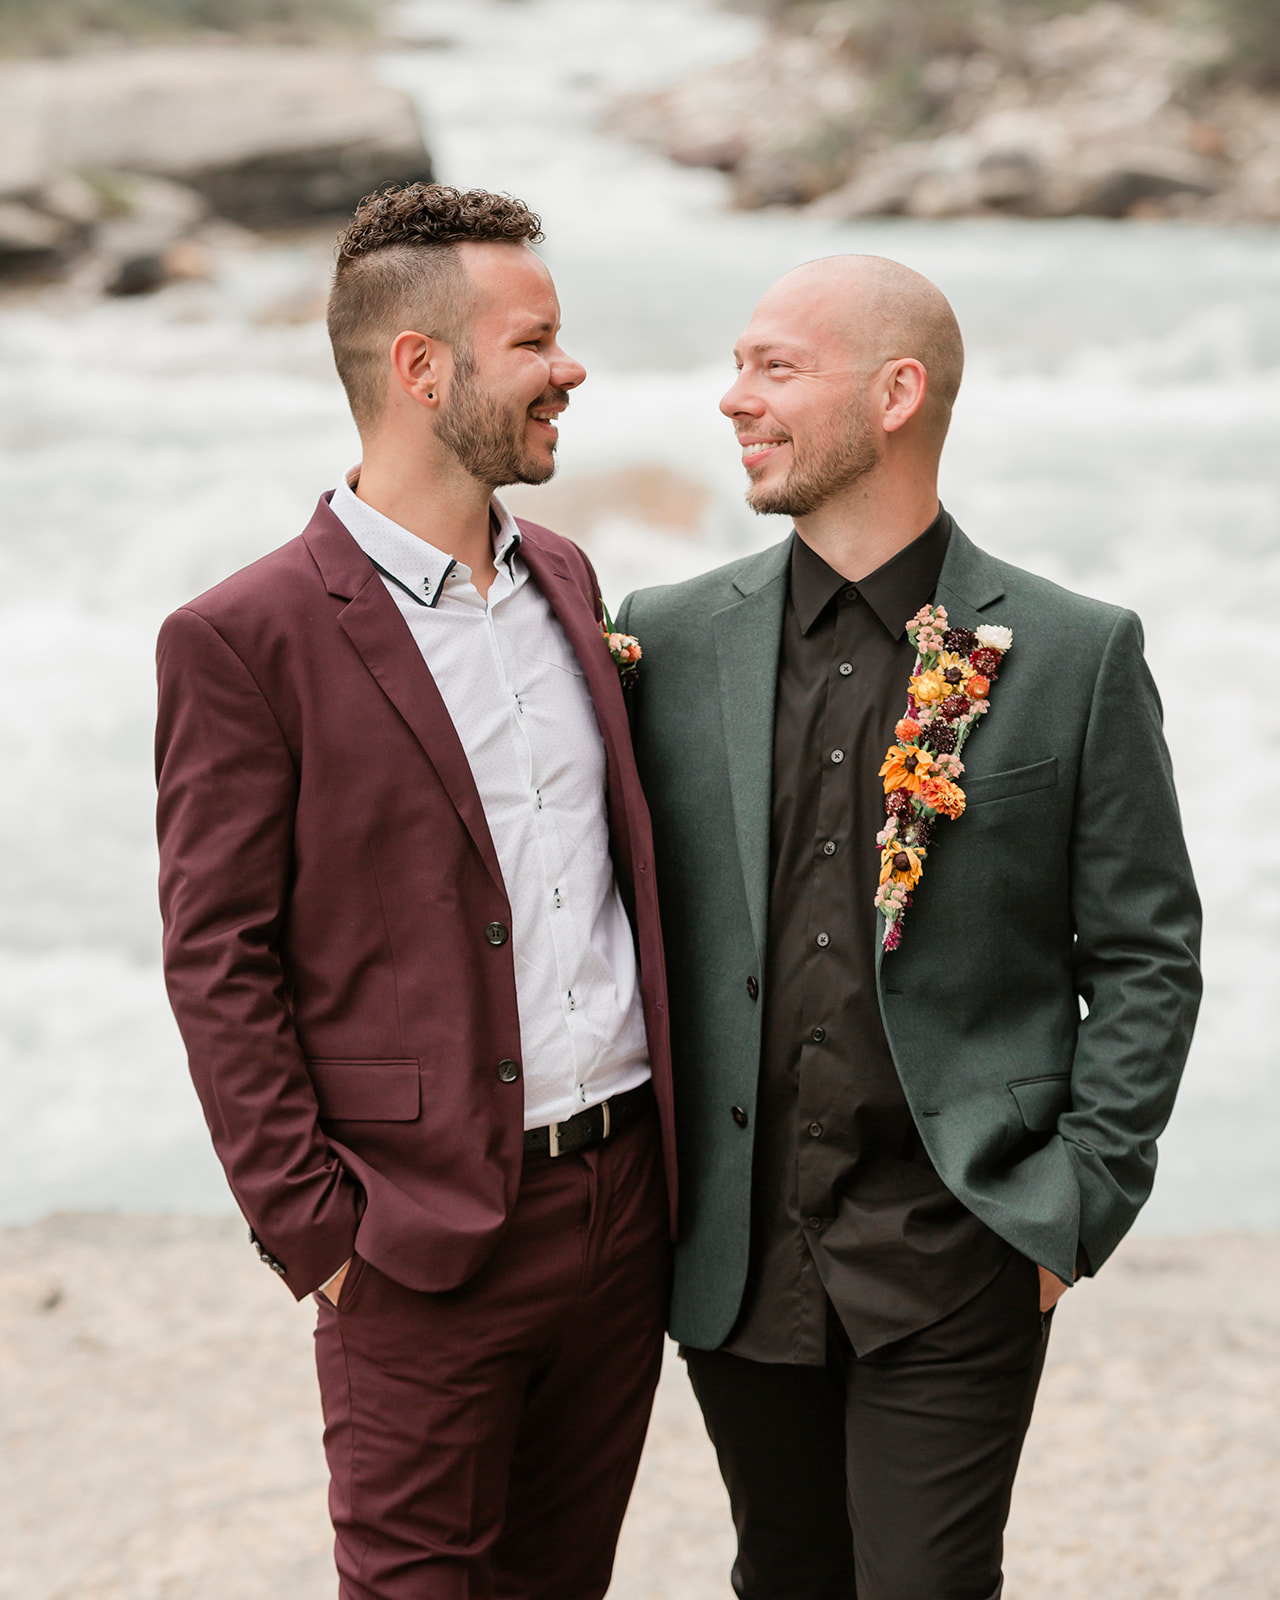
x=987, y=662
x=955, y=705
x=961, y=640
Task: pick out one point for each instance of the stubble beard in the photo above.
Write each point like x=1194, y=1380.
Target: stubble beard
x=842, y=453
x=488, y=441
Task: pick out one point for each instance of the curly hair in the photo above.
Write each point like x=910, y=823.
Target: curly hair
x=398, y=267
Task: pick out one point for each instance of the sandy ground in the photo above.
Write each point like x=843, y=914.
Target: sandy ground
x=160, y=1437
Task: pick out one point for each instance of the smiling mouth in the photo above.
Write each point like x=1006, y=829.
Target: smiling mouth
x=760, y=448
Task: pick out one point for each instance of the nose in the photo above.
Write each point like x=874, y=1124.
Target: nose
x=566, y=373
x=737, y=400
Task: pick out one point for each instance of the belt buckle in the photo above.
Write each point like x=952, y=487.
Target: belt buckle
x=553, y=1130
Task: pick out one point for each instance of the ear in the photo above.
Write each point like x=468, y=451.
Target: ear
x=904, y=385
x=416, y=362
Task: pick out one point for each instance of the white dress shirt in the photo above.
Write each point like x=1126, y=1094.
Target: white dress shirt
x=519, y=701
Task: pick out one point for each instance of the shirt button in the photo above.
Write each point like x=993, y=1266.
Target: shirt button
x=753, y=989
x=815, y=1130
x=496, y=934
x=846, y=667
x=837, y=756
x=739, y=1116
x=508, y=1071
x=851, y=593
x=823, y=940
x=829, y=849
x=818, y=1035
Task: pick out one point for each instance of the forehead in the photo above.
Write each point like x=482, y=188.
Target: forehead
x=803, y=317
x=509, y=283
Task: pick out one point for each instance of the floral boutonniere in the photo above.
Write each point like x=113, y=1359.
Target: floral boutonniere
x=949, y=690
x=623, y=647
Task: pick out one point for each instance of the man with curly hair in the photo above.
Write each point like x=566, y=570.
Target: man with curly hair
x=411, y=938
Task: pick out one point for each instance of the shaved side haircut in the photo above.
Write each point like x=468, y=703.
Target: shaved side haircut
x=398, y=268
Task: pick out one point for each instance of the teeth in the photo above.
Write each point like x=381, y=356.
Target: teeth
x=755, y=449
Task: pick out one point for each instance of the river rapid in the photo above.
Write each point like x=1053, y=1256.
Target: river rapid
x=1118, y=432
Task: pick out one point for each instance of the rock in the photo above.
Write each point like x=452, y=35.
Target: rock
x=1008, y=180
x=1119, y=188
x=30, y=238
x=264, y=135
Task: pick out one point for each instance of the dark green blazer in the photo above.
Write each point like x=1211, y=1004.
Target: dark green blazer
x=1041, y=1005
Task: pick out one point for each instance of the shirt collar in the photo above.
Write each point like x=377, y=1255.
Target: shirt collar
x=415, y=566
x=894, y=591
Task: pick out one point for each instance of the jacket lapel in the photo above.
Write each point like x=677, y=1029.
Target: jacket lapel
x=748, y=634
x=969, y=581
x=573, y=611
x=372, y=621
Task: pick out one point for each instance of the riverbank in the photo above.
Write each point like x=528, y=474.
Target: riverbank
x=160, y=1434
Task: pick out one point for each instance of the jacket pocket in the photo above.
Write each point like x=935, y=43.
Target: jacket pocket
x=1017, y=780
x=367, y=1091
x=1042, y=1100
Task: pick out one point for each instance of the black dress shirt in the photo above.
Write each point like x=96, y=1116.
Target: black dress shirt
x=849, y=1215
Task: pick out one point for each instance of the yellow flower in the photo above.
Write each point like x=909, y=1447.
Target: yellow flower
x=901, y=863
x=906, y=767
x=954, y=671
x=928, y=688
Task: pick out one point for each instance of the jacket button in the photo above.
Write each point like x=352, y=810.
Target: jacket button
x=508, y=1071
x=817, y=1034
x=739, y=1116
x=495, y=933
x=753, y=989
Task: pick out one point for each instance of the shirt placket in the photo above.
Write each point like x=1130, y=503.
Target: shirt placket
x=829, y=934
x=557, y=923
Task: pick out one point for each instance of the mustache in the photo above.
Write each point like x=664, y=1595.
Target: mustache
x=551, y=397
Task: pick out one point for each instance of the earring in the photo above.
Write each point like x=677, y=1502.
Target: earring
x=431, y=395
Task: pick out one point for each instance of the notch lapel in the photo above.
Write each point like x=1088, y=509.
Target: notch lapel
x=381, y=637
x=748, y=635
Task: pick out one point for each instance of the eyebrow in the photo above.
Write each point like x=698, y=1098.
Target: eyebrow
x=766, y=346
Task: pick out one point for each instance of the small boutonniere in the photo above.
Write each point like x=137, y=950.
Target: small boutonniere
x=949, y=690
x=623, y=647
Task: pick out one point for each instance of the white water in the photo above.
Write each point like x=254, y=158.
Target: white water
x=1118, y=432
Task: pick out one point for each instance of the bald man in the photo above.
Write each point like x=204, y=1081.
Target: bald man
x=900, y=1140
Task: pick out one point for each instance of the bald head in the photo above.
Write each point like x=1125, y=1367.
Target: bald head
x=882, y=311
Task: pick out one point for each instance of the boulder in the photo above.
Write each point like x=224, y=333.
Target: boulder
x=265, y=135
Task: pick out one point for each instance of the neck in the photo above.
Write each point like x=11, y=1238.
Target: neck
x=430, y=495
x=866, y=526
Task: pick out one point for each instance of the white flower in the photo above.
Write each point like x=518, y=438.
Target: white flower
x=993, y=638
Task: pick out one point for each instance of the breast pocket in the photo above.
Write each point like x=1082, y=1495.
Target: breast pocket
x=367, y=1091
x=991, y=786
x=1042, y=1100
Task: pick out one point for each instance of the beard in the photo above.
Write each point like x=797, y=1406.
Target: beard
x=488, y=439
x=844, y=450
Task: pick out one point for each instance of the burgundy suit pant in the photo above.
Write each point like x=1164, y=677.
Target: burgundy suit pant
x=483, y=1442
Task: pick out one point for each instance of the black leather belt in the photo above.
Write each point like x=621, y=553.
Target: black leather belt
x=592, y=1126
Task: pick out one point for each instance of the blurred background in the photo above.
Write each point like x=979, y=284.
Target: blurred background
x=1095, y=186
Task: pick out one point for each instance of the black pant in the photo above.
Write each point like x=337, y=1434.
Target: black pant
x=886, y=1476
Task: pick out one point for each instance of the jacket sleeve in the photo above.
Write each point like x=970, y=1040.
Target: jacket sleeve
x=228, y=788
x=1137, y=926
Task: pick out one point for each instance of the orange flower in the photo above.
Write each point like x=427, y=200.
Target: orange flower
x=943, y=796
x=901, y=863
x=928, y=688
x=978, y=687
x=905, y=767
x=907, y=731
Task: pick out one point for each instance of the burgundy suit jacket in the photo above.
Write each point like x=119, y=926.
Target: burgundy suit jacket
x=328, y=882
